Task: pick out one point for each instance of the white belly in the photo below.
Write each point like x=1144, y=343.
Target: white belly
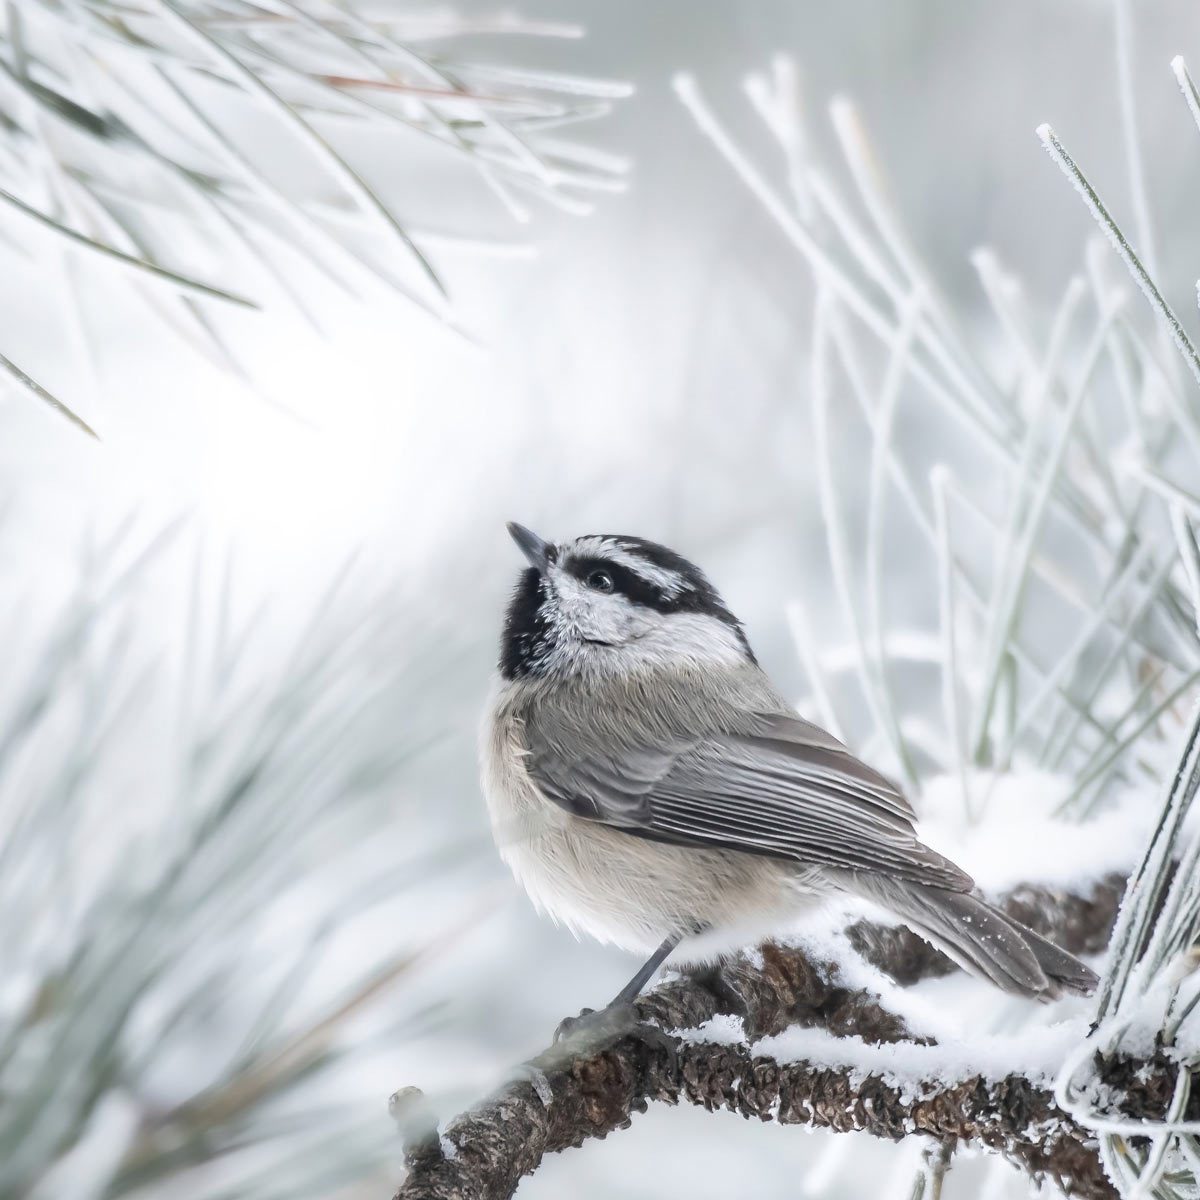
x=624, y=889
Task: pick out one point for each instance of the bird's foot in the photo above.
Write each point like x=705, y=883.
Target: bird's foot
x=588, y=1023
x=596, y=1030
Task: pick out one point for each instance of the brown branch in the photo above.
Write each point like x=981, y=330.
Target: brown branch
x=568, y=1098
x=496, y=1144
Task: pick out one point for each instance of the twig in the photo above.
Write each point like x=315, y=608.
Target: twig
x=562, y=1101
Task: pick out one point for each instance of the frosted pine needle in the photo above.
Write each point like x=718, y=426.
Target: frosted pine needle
x=124, y=138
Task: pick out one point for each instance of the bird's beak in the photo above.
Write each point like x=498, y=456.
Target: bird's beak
x=539, y=552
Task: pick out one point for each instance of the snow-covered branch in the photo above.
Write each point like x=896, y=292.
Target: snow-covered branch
x=561, y=1101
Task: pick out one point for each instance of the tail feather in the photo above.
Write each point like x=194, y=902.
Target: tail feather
x=981, y=939
x=1064, y=970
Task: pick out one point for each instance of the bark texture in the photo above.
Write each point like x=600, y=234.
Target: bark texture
x=569, y=1095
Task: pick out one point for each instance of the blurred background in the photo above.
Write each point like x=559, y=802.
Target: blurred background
x=249, y=627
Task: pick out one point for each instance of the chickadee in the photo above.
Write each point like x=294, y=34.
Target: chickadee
x=648, y=784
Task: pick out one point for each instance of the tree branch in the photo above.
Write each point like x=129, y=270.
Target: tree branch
x=569, y=1096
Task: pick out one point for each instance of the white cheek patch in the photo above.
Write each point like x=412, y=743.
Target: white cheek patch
x=594, y=616
x=607, y=633
x=685, y=637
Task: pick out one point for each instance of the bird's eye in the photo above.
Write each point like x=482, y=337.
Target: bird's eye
x=599, y=581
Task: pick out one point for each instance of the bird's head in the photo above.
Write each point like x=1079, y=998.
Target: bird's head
x=613, y=603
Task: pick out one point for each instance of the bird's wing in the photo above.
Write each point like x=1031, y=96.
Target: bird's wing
x=785, y=790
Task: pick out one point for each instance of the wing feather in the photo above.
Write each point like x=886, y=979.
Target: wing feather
x=786, y=789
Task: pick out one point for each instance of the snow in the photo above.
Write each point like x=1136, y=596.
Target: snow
x=1020, y=840
x=1033, y=1052
x=825, y=940
x=979, y=1031
x=965, y=1048
x=722, y=1030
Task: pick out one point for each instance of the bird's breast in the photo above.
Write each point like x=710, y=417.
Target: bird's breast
x=611, y=884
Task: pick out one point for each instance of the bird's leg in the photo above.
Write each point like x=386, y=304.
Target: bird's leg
x=593, y=1030
x=630, y=992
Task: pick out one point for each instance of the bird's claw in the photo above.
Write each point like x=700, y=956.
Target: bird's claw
x=573, y=1025
x=593, y=1031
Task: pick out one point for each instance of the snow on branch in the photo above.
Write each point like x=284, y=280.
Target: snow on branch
x=562, y=1100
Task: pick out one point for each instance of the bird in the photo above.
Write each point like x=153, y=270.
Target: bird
x=650, y=787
